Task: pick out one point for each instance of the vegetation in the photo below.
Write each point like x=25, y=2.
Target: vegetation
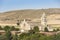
x=1, y=28
x=6, y=28
x=15, y=37
x=16, y=29
x=46, y=29
x=36, y=29
x=58, y=29
x=10, y=28
x=8, y=35
x=32, y=34
x=55, y=30
x=18, y=22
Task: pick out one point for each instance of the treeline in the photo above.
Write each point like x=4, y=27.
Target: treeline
x=32, y=34
x=11, y=28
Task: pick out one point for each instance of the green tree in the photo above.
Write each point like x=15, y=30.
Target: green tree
x=8, y=35
x=36, y=29
x=21, y=36
x=54, y=30
x=15, y=37
x=12, y=28
x=1, y=28
x=57, y=29
x=46, y=29
x=6, y=28
x=56, y=37
x=26, y=36
x=16, y=29
x=18, y=23
x=31, y=31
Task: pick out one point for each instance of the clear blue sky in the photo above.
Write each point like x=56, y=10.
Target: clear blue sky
x=7, y=5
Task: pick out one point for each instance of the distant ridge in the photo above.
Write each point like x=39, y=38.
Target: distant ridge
x=28, y=13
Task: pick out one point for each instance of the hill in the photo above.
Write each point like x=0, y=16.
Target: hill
x=28, y=14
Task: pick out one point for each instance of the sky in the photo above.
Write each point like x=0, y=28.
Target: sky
x=8, y=5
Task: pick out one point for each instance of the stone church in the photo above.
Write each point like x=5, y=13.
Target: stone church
x=42, y=23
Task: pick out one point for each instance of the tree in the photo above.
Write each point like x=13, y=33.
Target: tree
x=26, y=36
x=8, y=35
x=54, y=30
x=46, y=29
x=36, y=29
x=1, y=28
x=56, y=37
x=6, y=28
x=57, y=29
x=16, y=29
x=18, y=23
x=12, y=28
x=15, y=37
x=31, y=31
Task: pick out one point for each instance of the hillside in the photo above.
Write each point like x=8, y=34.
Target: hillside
x=30, y=14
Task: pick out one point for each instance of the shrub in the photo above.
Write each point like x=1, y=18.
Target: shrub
x=36, y=29
x=1, y=28
x=6, y=28
x=16, y=29
x=46, y=29
x=12, y=28
x=57, y=29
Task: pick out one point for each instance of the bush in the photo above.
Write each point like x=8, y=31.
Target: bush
x=31, y=31
x=6, y=28
x=57, y=29
x=16, y=29
x=8, y=35
x=36, y=29
x=18, y=23
x=15, y=37
x=1, y=28
x=12, y=28
x=46, y=29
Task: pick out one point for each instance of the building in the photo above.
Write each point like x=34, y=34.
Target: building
x=24, y=26
x=42, y=23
